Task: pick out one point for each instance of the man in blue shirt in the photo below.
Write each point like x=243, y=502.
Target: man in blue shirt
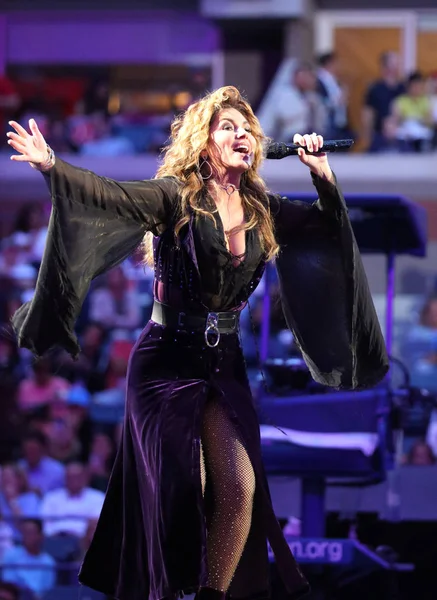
x=379, y=99
x=27, y=565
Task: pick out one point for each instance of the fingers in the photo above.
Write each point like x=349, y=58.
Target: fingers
x=313, y=142
x=18, y=145
x=21, y=158
x=36, y=132
x=15, y=137
x=19, y=129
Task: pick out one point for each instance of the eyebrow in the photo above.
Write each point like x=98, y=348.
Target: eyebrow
x=232, y=120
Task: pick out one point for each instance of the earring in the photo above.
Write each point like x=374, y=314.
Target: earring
x=205, y=162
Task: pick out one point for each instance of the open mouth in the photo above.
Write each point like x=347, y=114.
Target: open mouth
x=242, y=149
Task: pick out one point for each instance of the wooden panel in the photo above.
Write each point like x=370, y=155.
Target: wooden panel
x=359, y=49
x=427, y=52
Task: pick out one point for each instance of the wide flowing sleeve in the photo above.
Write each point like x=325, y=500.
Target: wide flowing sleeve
x=95, y=223
x=324, y=291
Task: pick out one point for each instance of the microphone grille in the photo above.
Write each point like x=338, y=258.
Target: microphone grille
x=276, y=150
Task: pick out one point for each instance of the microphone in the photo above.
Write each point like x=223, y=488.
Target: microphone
x=277, y=150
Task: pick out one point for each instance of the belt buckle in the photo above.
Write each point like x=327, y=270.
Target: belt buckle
x=181, y=319
x=212, y=327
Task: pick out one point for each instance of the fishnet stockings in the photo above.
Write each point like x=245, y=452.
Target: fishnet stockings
x=225, y=466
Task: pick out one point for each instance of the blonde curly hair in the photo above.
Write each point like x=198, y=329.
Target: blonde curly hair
x=190, y=136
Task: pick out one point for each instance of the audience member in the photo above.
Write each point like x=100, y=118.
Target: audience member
x=115, y=304
x=298, y=107
x=6, y=537
x=31, y=225
x=334, y=95
x=63, y=443
x=420, y=347
x=16, y=499
x=378, y=101
x=27, y=565
x=43, y=473
x=67, y=510
x=101, y=459
x=42, y=388
x=412, y=116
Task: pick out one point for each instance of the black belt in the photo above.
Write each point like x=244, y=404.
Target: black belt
x=212, y=324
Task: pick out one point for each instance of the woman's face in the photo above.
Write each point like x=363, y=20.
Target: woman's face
x=232, y=144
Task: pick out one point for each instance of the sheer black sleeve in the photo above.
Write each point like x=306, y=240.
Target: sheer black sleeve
x=95, y=223
x=325, y=293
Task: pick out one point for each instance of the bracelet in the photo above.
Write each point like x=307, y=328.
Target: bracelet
x=48, y=163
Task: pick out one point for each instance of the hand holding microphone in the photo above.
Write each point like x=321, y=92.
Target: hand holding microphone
x=317, y=161
x=277, y=150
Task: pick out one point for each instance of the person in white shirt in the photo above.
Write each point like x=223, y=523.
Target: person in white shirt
x=297, y=106
x=333, y=94
x=68, y=509
x=43, y=473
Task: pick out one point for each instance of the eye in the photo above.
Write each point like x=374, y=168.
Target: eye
x=227, y=126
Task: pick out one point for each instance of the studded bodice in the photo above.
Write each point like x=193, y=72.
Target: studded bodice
x=197, y=271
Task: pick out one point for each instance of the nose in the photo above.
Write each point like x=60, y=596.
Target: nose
x=241, y=131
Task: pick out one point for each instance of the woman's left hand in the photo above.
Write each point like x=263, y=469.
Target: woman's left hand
x=318, y=163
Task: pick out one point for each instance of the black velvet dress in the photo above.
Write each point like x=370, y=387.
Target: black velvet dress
x=151, y=537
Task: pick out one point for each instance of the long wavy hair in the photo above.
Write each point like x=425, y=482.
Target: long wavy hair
x=190, y=137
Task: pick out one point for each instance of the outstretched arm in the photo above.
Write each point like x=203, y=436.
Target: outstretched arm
x=95, y=224
x=147, y=202
x=324, y=290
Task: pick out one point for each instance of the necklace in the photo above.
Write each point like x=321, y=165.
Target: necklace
x=229, y=188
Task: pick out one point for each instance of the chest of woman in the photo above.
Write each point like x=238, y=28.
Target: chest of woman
x=197, y=268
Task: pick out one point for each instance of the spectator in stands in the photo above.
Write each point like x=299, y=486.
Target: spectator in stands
x=6, y=537
x=412, y=116
x=16, y=499
x=115, y=304
x=31, y=224
x=421, y=454
x=420, y=348
x=43, y=388
x=9, y=591
x=68, y=509
x=333, y=94
x=63, y=444
x=298, y=107
x=24, y=278
x=78, y=402
x=378, y=102
x=27, y=565
x=43, y=473
x=9, y=356
x=90, y=366
x=101, y=459
x=432, y=91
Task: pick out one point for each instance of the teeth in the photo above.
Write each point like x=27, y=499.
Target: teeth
x=242, y=148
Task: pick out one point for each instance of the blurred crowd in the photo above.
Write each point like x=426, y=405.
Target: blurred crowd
x=83, y=115
x=399, y=114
